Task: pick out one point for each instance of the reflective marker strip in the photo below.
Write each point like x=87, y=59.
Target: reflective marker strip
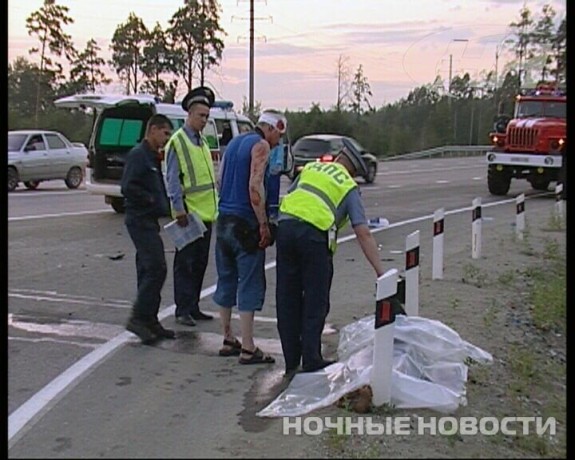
x=520, y=207
x=476, y=213
x=438, y=227
x=383, y=313
x=412, y=258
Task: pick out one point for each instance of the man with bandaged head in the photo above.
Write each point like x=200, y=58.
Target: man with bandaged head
x=243, y=233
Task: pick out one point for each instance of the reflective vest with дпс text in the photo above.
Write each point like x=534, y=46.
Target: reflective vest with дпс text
x=320, y=190
x=196, y=175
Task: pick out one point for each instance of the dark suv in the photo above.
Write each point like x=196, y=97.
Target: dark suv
x=325, y=147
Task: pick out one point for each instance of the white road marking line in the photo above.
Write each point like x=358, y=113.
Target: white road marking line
x=41, y=402
x=62, y=214
x=442, y=182
x=52, y=340
x=40, y=298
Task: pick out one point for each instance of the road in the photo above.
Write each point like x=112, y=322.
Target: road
x=80, y=386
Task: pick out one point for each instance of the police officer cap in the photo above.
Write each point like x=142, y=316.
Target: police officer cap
x=354, y=156
x=199, y=95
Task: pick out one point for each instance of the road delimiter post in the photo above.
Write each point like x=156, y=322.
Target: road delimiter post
x=381, y=371
x=412, y=274
x=476, y=229
x=438, y=219
x=559, y=201
x=520, y=216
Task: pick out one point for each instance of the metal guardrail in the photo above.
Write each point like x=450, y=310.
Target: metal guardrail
x=445, y=151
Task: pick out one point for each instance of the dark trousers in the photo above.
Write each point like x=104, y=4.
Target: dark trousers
x=190, y=265
x=304, y=272
x=151, y=267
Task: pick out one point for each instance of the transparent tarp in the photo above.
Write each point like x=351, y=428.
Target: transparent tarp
x=429, y=369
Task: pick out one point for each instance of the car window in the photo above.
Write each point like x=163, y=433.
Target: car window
x=55, y=141
x=244, y=127
x=15, y=141
x=119, y=132
x=356, y=144
x=311, y=147
x=36, y=142
x=226, y=133
x=211, y=135
x=177, y=123
x=336, y=146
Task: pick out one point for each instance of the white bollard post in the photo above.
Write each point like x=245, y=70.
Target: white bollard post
x=382, y=368
x=476, y=229
x=520, y=218
x=412, y=274
x=438, y=218
x=559, y=201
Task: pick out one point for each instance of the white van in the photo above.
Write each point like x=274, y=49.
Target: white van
x=121, y=123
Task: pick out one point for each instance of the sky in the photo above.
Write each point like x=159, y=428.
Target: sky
x=400, y=45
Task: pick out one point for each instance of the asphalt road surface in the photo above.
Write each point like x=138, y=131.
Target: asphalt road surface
x=80, y=386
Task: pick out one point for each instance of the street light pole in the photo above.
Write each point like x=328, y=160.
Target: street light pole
x=450, y=69
x=465, y=40
x=496, y=71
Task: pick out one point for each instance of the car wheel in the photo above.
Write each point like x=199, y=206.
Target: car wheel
x=74, y=177
x=371, y=173
x=12, y=179
x=32, y=184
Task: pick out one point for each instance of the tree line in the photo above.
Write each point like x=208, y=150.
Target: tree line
x=157, y=61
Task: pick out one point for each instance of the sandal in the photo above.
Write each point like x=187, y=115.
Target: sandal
x=256, y=357
x=231, y=348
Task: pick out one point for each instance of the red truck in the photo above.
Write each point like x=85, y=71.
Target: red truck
x=532, y=144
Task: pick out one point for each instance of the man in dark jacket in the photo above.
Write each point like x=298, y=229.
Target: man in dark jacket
x=146, y=201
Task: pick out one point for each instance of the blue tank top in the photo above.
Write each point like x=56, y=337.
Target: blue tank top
x=234, y=191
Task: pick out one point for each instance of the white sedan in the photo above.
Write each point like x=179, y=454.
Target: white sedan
x=35, y=156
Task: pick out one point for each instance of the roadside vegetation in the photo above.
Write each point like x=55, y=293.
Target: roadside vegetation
x=167, y=62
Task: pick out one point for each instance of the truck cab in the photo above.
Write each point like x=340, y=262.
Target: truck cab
x=532, y=144
x=120, y=124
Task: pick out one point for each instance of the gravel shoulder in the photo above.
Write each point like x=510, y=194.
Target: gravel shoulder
x=510, y=302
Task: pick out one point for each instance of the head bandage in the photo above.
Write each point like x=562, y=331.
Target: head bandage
x=274, y=119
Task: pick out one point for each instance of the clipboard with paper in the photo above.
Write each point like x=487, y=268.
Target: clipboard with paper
x=182, y=236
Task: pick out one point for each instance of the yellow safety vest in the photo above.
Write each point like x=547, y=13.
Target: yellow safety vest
x=196, y=175
x=321, y=189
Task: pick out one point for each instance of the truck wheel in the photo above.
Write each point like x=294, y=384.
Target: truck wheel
x=563, y=179
x=540, y=184
x=118, y=205
x=498, y=182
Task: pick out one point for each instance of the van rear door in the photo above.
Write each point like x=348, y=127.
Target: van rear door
x=120, y=124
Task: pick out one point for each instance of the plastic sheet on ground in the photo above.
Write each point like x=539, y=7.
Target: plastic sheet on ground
x=429, y=369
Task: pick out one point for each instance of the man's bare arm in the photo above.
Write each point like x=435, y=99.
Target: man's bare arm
x=260, y=154
x=369, y=247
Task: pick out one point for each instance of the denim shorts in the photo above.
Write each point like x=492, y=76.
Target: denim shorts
x=241, y=274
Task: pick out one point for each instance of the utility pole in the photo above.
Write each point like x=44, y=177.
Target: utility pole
x=252, y=19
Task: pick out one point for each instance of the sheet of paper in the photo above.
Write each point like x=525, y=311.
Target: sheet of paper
x=182, y=236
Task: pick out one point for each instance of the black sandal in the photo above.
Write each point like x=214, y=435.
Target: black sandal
x=231, y=348
x=256, y=357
